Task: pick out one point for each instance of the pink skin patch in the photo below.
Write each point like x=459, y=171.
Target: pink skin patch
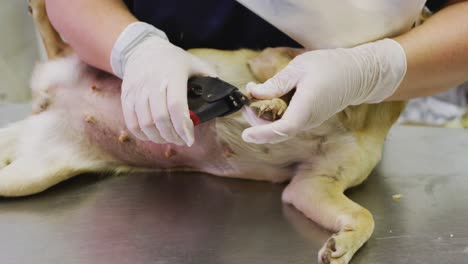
x=98, y=114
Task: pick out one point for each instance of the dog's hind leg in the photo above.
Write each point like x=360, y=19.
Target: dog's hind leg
x=321, y=199
x=317, y=191
x=54, y=45
x=41, y=151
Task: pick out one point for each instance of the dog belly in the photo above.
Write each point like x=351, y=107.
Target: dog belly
x=91, y=106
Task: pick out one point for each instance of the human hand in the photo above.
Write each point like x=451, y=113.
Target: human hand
x=154, y=89
x=326, y=82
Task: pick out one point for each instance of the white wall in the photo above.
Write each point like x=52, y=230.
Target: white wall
x=18, y=50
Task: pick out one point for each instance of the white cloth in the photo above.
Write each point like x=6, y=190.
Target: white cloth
x=318, y=24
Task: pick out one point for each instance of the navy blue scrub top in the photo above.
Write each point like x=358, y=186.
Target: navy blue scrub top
x=218, y=24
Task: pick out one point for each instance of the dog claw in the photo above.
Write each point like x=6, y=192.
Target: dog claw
x=270, y=110
x=325, y=258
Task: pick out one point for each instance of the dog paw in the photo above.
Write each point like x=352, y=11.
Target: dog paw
x=270, y=110
x=334, y=252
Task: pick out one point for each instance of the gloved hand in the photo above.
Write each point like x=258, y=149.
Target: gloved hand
x=326, y=82
x=154, y=87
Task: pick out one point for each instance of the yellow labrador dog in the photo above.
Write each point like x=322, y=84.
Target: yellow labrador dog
x=77, y=126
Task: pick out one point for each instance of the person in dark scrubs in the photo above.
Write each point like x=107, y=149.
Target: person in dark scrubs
x=144, y=42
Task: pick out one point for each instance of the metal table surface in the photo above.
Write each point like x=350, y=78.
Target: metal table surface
x=195, y=218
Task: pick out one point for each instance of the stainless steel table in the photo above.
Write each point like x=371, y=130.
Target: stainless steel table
x=194, y=218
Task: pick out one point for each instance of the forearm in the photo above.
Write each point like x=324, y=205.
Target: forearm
x=91, y=27
x=437, y=54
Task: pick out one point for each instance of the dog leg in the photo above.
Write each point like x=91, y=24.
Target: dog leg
x=321, y=199
x=54, y=45
x=317, y=191
x=40, y=151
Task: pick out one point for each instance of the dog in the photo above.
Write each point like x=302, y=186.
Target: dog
x=77, y=126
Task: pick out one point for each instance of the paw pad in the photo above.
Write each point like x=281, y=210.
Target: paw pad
x=325, y=257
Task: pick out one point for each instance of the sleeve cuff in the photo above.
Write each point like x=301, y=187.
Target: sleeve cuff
x=130, y=37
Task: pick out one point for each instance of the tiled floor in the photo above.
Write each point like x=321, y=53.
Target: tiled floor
x=18, y=50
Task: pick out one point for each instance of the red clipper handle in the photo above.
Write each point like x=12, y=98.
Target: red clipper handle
x=196, y=121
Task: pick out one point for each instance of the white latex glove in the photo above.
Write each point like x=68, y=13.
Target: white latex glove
x=326, y=82
x=154, y=87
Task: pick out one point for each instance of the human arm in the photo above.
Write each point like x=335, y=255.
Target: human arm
x=91, y=27
x=436, y=52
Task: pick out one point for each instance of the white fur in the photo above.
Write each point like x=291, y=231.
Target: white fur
x=41, y=153
x=43, y=150
x=54, y=72
x=51, y=75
